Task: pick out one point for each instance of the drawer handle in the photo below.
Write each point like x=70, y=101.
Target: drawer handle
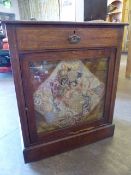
x=74, y=39
x=80, y=131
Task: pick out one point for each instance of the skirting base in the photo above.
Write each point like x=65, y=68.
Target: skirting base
x=40, y=151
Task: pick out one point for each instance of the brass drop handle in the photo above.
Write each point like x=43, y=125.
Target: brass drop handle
x=80, y=131
x=74, y=39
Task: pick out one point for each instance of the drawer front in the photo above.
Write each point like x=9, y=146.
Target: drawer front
x=58, y=37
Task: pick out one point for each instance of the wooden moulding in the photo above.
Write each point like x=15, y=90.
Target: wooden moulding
x=38, y=152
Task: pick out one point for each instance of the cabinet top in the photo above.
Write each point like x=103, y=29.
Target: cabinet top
x=89, y=23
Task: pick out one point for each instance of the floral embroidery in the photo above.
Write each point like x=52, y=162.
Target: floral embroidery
x=68, y=94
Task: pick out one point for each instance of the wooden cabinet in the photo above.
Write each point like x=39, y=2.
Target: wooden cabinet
x=65, y=77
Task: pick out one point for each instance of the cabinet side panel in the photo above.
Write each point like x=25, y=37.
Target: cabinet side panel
x=11, y=30
x=117, y=56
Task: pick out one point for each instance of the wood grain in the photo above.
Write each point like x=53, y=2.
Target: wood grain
x=38, y=41
x=41, y=151
x=57, y=37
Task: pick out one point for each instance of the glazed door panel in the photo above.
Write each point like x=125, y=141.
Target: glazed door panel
x=66, y=91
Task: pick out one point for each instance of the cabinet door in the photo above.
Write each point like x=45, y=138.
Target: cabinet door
x=66, y=92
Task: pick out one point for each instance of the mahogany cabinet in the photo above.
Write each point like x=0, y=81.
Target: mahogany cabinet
x=65, y=78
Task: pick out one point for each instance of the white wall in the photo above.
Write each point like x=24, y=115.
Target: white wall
x=14, y=9
x=80, y=10
x=73, y=12
x=67, y=10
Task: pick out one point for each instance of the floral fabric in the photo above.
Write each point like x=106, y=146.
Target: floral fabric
x=68, y=94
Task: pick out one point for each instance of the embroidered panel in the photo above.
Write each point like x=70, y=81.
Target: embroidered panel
x=68, y=93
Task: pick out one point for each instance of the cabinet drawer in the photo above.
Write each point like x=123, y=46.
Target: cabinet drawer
x=58, y=37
